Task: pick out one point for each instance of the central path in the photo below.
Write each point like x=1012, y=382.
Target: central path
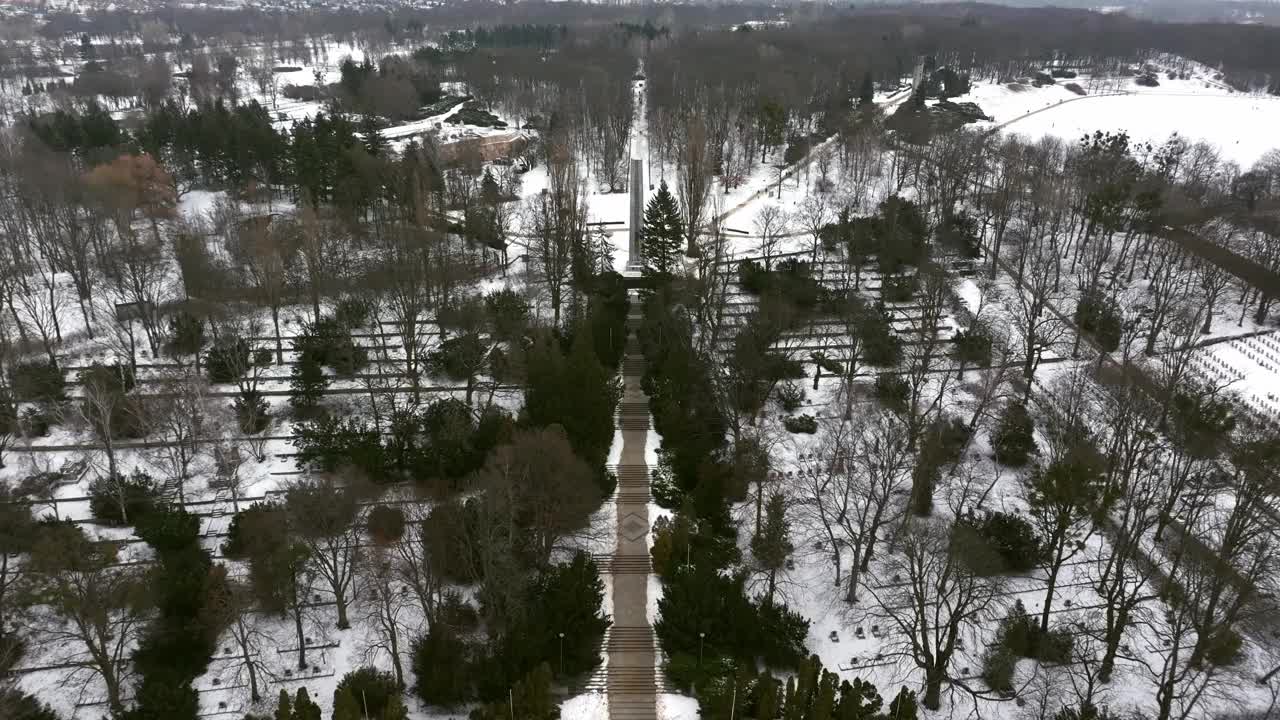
x=632, y=677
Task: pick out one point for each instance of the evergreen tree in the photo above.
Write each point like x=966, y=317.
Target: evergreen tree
x=284, y=707
x=441, y=665
x=866, y=93
x=345, y=705
x=904, y=706
x=662, y=238
x=859, y=700
x=1014, y=439
x=307, y=383
x=304, y=708
x=490, y=193
x=771, y=546
x=374, y=143
x=577, y=392
x=395, y=709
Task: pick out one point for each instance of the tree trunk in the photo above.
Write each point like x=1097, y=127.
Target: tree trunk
x=341, y=598
x=1118, y=619
x=394, y=638
x=275, y=320
x=297, y=623
x=933, y=689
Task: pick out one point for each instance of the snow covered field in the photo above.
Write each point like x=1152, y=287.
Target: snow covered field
x=1196, y=108
x=1240, y=126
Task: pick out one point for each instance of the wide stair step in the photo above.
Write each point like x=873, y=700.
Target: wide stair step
x=623, y=564
x=637, y=497
x=633, y=366
x=633, y=423
x=629, y=637
x=633, y=407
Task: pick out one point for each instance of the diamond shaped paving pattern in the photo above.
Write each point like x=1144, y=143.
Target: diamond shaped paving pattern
x=633, y=527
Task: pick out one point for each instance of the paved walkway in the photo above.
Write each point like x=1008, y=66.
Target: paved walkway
x=631, y=675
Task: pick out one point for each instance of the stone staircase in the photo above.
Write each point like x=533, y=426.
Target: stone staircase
x=631, y=676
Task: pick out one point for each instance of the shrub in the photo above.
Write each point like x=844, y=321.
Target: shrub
x=186, y=334
x=1000, y=543
x=372, y=688
x=235, y=546
x=1020, y=636
x=330, y=344
x=508, y=313
x=252, y=413
x=441, y=664
x=801, y=424
x=35, y=422
x=898, y=288
x=752, y=277
x=385, y=524
x=333, y=443
x=973, y=346
x=1014, y=441
x=1054, y=646
x=227, y=360
x=945, y=439
x=1224, y=648
x=998, y=666
x=1100, y=317
x=790, y=396
x=120, y=500
x=352, y=312
x=892, y=391
x=38, y=381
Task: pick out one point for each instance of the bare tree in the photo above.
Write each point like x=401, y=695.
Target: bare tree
x=235, y=611
x=538, y=485
x=852, y=493
x=91, y=610
x=938, y=597
x=178, y=416
x=266, y=252
x=815, y=212
x=323, y=516
x=771, y=224
x=694, y=173
x=417, y=561
x=821, y=495
x=1035, y=320
x=386, y=603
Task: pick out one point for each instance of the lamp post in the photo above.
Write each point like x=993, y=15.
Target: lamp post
x=701, y=637
x=561, y=636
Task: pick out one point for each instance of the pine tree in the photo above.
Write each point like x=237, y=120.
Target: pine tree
x=770, y=546
x=490, y=194
x=307, y=383
x=284, y=709
x=304, y=708
x=903, y=706
x=395, y=709
x=374, y=143
x=866, y=94
x=345, y=706
x=662, y=238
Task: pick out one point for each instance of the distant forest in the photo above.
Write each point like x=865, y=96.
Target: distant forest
x=887, y=36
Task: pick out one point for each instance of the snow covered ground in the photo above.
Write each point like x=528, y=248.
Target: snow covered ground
x=1196, y=108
